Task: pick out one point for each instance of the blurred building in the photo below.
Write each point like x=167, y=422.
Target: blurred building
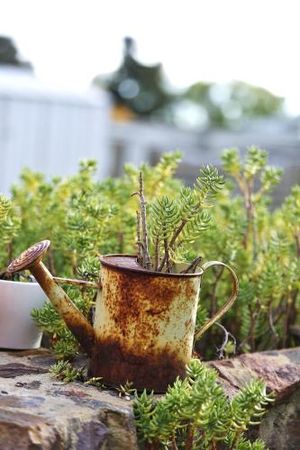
x=143, y=141
x=47, y=129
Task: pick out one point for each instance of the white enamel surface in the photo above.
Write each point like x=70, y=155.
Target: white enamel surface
x=17, y=329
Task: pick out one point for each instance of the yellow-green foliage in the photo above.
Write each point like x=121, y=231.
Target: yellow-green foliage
x=195, y=413
x=84, y=218
x=9, y=228
x=263, y=247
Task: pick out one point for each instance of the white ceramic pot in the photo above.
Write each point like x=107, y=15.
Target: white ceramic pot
x=17, y=328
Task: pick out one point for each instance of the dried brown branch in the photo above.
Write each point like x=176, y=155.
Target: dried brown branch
x=147, y=262
x=138, y=236
x=193, y=266
x=143, y=230
x=172, y=244
x=174, y=445
x=167, y=255
x=189, y=438
x=177, y=233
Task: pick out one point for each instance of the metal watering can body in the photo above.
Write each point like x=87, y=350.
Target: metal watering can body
x=144, y=321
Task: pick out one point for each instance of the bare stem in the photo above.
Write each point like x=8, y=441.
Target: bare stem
x=189, y=438
x=80, y=283
x=193, y=266
x=138, y=236
x=9, y=251
x=121, y=242
x=156, y=254
x=152, y=445
x=253, y=318
x=174, y=445
x=286, y=321
x=142, y=231
x=297, y=239
x=172, y=244
x=250, y=211
x=227, y=334
x=51, y=261
x=144, y=224
x=271, y=322
x=166, y=247
x=213, y=445
x=177, y=233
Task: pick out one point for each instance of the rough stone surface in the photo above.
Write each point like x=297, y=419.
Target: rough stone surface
x=279, y=369
x=280, y=428
x=38, y=412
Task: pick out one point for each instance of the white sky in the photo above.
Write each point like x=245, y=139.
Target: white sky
x=70, y=41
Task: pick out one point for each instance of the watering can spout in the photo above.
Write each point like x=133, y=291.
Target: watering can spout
x=74, y=319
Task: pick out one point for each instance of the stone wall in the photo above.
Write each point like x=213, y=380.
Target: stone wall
x=38, y=412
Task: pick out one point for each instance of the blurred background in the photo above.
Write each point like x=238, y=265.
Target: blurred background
x=125, y=81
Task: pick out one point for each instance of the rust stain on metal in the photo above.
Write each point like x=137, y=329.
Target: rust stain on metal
x=154, y=372
x=144, y=320
x=29, y=257
x=145, y=325
x=74, y=319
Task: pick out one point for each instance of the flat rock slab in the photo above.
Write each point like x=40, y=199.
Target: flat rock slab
x=280, y=370
x=37, y=412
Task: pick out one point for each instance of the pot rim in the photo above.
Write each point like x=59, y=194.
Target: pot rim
x=27, y=283
x=104, y=259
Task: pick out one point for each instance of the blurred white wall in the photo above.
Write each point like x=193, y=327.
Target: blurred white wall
x=49, y=130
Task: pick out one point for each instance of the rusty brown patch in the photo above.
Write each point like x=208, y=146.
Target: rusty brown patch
x=74, y=319
x=154, y=372
x=133, y=346
x=139, y=300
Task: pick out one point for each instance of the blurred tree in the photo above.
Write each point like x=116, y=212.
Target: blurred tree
x=138, y=88
x=140, y=91
x=231, y=103
x=9, y=54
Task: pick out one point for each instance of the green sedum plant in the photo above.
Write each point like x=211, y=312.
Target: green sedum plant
x=196, y=414
x=92, y=218
x=232, y=222
x=64, y=371
x=9, y=228
x=263, y=246
x=175, y=223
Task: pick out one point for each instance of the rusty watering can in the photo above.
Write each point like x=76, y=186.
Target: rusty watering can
x=144, y=321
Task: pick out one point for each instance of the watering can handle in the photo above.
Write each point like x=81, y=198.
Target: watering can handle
x=228, y=304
